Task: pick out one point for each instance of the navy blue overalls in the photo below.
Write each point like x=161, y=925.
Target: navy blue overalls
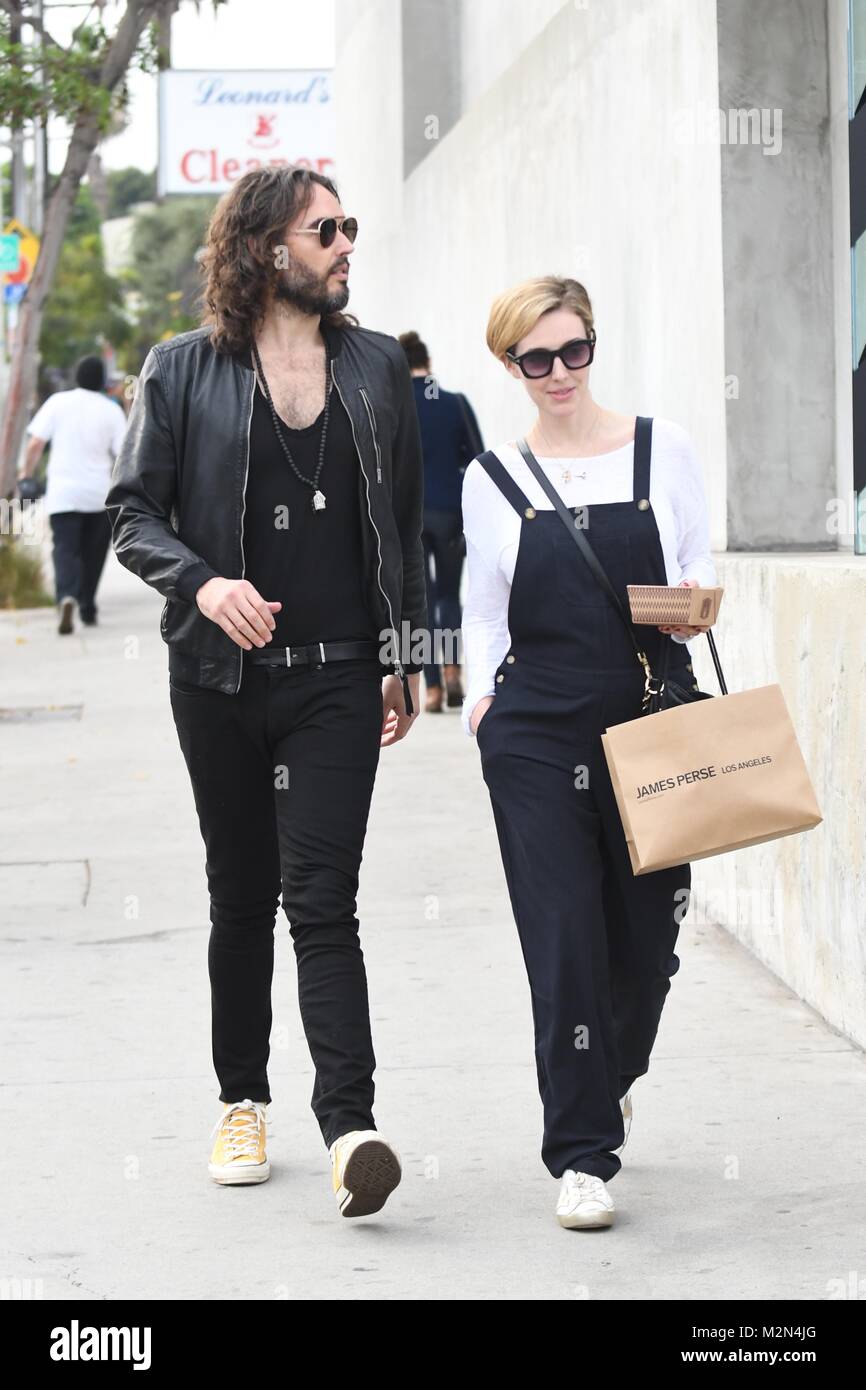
x=598, y=943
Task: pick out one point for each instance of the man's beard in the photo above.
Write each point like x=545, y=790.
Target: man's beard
x=300, y=287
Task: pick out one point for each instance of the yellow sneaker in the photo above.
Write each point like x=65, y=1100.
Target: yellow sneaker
x=365, y=1171
x=239, y=1152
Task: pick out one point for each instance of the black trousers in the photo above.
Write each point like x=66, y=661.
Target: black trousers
x=442, y=537
x=598, y=942
x=81, y=541
x=282, y=775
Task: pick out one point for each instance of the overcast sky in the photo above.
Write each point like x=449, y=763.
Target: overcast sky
x=264, y=34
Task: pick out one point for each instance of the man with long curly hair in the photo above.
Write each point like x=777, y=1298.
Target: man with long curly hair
x=270, y=487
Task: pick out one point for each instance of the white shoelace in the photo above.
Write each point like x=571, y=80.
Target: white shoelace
x=243, y=1120
x=585, y=1185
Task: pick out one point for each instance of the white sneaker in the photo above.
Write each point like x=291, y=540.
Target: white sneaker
x=584, y=1202
x=625, y=1107
x=365, y=1171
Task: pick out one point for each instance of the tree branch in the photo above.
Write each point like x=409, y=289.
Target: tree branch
x=13, y=12
x=138, y=13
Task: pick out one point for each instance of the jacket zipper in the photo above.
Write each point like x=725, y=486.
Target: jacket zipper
x=398, y=666
x=243, y=513
x=369, y=406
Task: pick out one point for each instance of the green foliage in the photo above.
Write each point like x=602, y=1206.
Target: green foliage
x=21, y=583
x=71, y=84
x=165, y=277
x=128, y=186
x=84, y=216
x=49, y=80
x=86, y=303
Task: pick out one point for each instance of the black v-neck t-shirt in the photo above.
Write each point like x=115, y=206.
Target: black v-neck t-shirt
x=310, y=562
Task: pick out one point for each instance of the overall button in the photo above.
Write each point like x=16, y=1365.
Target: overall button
x=510, y=660
x=643, y=504
x=529, y=513
x=499, y=680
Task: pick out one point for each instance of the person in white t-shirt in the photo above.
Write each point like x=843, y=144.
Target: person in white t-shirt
x=85, y=430
x=552, y=664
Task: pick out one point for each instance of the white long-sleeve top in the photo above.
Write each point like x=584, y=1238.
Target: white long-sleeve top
x=492, y=529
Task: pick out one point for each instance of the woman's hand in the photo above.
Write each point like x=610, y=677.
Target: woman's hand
x=684, y=631
x=479, y=712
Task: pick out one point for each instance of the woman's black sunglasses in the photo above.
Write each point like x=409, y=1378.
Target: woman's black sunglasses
x=326, y=230
x=539, y=362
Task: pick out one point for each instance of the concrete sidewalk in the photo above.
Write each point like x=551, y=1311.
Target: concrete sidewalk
x=744, y=1176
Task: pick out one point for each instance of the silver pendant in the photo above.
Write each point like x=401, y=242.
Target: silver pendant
x=318, y=501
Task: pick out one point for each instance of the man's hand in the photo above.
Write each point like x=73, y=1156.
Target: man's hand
x=479, y=712
x=684, y=631
x=238, y=608
x=396, y=723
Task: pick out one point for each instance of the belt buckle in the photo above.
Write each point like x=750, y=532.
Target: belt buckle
x=311, y=647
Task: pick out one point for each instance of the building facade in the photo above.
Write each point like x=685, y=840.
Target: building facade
x=692, y=163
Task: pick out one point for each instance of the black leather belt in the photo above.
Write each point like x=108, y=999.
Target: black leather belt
x=312, y=653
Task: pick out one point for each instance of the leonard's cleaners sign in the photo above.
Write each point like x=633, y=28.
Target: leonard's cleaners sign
x=215, y=126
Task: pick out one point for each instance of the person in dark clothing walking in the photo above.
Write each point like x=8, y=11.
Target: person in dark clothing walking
x=550, y=668
x=450, y=438
x=85, y=431
x=270, y=487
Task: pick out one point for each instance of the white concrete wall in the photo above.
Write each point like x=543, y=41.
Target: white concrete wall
x=494, y=34
x=568, y=163
x=800, y=903
x=369, y=146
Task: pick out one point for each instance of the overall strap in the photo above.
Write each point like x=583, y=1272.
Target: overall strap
x=499, y=474
x=643, y=434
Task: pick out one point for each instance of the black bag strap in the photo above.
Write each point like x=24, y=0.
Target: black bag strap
x=642, y=443
x=499, y=474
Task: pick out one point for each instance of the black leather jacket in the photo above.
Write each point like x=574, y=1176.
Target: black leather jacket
x=177, y=493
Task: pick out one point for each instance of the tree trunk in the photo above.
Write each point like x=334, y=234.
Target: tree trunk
x=85, y=138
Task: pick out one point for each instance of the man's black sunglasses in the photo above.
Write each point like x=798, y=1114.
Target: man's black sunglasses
x=539, y=361
x=326, y=229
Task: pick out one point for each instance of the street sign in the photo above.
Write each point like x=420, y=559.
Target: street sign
x=13, y=294
x=10, y=253
x=16, y=228
x=28, y=250
x=215, y=126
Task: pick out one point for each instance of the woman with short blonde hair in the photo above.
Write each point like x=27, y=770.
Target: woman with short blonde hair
x=550, y=667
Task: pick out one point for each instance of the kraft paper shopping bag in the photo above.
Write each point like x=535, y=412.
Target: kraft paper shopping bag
x=708, y=777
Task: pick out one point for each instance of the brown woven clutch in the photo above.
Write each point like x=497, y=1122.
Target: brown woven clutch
x=659, y=605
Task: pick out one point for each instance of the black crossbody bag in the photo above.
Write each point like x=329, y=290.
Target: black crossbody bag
x=659, y=693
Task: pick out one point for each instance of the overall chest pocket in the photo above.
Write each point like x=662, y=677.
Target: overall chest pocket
x=576, y=584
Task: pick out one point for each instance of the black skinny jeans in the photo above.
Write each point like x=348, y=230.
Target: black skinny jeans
x=282, y=774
